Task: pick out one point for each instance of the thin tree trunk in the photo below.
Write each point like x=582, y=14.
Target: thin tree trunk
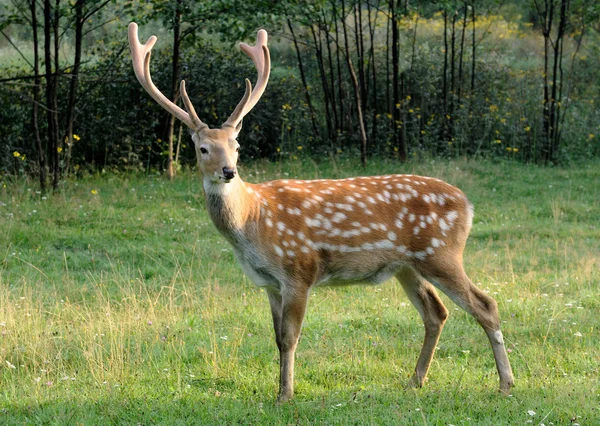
x=372, y=26
x=341, y=94
x=174, y=87
x=557, y=79
x=50, y=82
x=462, y=53
x=79, y=21
x=450, y=116
x=357, y=101
x=396, y=105
x=55, y=153
x=41, y=157
x=324, y=84
x=388, y=80
x=178, y=143
x=445, y=81
x=331, y=77
x=473, y=49
x=311, y=110
x=547, y=27
x=360, y=50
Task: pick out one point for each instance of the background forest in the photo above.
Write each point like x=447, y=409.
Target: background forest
x=395, y=79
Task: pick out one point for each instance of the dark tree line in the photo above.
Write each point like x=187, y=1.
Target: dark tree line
x=372, y=77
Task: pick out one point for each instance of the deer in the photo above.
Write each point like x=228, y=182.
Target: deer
x=291, y=236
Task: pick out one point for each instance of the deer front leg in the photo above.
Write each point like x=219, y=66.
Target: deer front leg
x=288, y=313
x=276, y=304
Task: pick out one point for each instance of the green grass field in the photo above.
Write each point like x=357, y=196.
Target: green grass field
x=121, y=304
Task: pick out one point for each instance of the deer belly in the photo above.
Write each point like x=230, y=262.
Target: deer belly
x=361, y=275
x=256, y=268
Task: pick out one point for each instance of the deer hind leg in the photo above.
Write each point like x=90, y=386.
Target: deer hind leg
x=453, y=281
x=433, y=312
x=288, y=311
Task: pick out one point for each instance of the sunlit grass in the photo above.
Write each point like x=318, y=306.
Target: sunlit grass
x=119, y=302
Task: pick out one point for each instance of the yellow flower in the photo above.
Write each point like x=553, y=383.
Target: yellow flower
x=503, y=120
x=498, y=141
x=294, y=157
x=286, y=107
x=16, y=154
x=493, y=108
x=76, y=137
x=278, y=149
x=94, y=192
x=59, y=149
x=591, y=136
x=299, y=147
x=527, y=129
x=408, y=98
x=411, y=110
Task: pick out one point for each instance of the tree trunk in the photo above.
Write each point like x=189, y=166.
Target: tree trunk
x=79, y=21
x=341, y=94
x=331, y=78
x=557, y=82
x=311, y=110
x=41, y=156
x=473, y=49
x=51, y=130
x=324, y=84
x=174, y=87
x=372, y=26
x=360, y=50
x=445, y=82
x=462, y=53
x=357, y=100
x=450, y=116
x=396, y=105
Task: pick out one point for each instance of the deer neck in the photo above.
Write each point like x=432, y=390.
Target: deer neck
x=230, y=206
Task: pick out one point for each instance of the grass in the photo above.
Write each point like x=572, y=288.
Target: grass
x=121, y=304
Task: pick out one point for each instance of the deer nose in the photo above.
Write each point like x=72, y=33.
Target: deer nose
x=228, y=173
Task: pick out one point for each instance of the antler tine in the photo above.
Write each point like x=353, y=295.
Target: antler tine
x=259, y=53
x=141, y=54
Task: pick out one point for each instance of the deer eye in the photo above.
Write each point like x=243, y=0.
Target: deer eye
x=203, y=150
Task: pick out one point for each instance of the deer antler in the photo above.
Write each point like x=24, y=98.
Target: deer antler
x=141, y=65
x=259, y=54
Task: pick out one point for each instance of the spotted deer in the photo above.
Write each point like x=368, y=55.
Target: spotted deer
x=291, y=236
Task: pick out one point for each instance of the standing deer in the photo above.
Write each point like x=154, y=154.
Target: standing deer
x=292, y=235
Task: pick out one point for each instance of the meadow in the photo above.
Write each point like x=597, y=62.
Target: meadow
x=121, y=304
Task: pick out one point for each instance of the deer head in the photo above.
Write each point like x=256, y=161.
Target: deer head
x=216, y=149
